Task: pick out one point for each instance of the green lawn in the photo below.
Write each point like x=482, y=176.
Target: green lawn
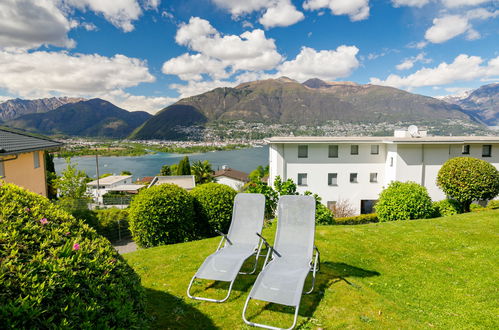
x=437, y=273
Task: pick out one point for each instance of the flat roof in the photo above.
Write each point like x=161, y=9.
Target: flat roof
x=109, y=180
x=127, y=187
x=384, y=139
x=185, y=181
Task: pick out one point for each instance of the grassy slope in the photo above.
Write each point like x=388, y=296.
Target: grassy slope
x=438, y=273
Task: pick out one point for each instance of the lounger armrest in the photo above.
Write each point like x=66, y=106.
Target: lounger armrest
x=270, y=247
x=224, y=236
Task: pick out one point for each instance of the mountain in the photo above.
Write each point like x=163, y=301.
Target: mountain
x=95, y=117
x=12, y=109
x=285, y=101
x=482, y=104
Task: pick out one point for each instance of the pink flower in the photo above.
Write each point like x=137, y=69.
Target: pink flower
x=44, y=221
x=76, y=246
x=27, y=209
x=67, y=233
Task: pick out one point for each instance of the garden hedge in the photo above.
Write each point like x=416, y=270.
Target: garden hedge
x=213, y=203
x=404, y=201
x=57, y=272
x=357, y=220
x=161, y=215
x=447, y=207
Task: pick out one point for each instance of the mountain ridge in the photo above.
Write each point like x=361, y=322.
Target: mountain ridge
x=14, y=108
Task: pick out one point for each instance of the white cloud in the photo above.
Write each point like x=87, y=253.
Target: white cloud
x=411, y=3
x=450, y=26
x=41, y=74
x=357, y=10
x=240, y=7
x=120, y=13
x=249, y=51
x=131, y=102
x=324, y=64
x=191, y=67
x=446, y=28
x=198, y=87
x=282, y=14
x=151, y=4
x=461, y=3
x=463, y=68
x=408, y=63
x=26, y=24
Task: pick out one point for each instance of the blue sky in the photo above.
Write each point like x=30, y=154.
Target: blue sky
x=146, y=54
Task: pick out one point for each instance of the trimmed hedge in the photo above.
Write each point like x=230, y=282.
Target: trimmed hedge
x=357, y=220
x=161, y=215
x=404, y=201
x=213, y=204
x=493, y=204
x=323, y=215
x=447, y=207
x=57, y=272
x=111, y=223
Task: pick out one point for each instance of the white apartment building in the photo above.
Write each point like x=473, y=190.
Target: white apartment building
x=107, y=184
x=357, y=169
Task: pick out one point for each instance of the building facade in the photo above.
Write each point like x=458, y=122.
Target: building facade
x=22, y=159
x=97, y=188
x=232, y=178
x=356, y=169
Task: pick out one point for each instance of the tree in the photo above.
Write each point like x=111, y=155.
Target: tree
x=126, y=173
x=71, y=183
x=257, y=174
x=105, y=175
x=184, y=167
x=468, y=179
x=50, y=175
x=165, y=170
x=202, y=171
x=272, y=195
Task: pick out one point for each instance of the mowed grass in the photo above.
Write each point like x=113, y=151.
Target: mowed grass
x=436, y=273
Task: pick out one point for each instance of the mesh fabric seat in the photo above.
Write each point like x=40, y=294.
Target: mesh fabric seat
x=282, y=279
x=238, y=245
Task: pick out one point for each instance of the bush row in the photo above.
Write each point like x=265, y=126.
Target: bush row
x=111, y=223
x=357, y=220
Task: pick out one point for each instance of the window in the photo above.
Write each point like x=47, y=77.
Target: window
x=332, y=179
x=466, y=149
x=354, y=149
x=373, y=177
x=331, y=205
x=353, y=178
x=303, y=151
x=391, y=161
x=333, y=151
x=302, y=179
x=36, y=158
x=374, y=149
x=486, y=150
x=2, y=170
x=367, y=206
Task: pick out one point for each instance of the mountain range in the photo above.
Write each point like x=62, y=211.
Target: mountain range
x=271, y=101
x=15, y=108
x=91, y=118
x=284, y=100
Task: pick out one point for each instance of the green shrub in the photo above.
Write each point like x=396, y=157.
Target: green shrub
x=357, y=220
x=493, y=204
x=323, y=215
x=404, y=201
x=468, y=179
x=162, y=214
x=447, y=207
x=476, y=207
x=57, y=272
x=213, y=203
x=113, y=223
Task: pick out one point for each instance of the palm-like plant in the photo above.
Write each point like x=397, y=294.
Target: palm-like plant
x=202, y=171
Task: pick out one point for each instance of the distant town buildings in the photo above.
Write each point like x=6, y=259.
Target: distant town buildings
x=357, y=168
x=22, y=159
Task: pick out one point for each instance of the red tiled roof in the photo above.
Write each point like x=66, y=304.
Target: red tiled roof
x=233, y=174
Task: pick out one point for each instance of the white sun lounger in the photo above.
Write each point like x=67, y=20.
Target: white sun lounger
x=240, y=244
x=282, y=279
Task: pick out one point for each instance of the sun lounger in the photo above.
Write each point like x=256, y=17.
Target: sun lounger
x=292, y=258
x=238, y=245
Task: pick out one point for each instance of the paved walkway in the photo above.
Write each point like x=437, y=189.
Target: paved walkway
x=125, y=246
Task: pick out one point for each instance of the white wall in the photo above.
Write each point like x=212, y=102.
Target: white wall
x=236, y=184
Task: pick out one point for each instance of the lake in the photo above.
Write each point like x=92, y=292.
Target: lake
x=245, y=160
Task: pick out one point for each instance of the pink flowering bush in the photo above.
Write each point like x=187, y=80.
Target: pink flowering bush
x=57, y=272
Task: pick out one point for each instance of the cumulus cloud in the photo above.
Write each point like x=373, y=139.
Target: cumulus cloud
x=198, y=87
x=191, y=67
x=462, y=3
x=26, y=24
x=324, y=64
x=463, y=68
x=127, y=101
x=410, y=3
x=40, y=74
x=276, y=12
x=357, y=10
x=408, y=63
x=249, y=51
x=282, y=14
x=449, y=26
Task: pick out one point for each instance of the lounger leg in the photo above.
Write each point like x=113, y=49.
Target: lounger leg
x=268, y=326
x=314, y=270
x=208, y=299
